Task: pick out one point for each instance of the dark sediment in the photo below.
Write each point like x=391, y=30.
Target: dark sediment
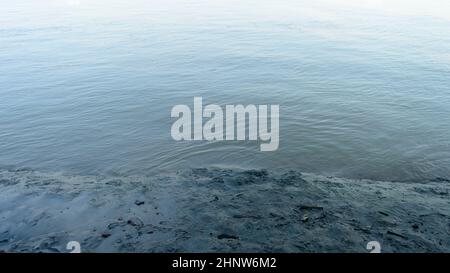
x=211, y=210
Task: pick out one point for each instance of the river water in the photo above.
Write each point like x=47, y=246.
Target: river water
x=363, y=87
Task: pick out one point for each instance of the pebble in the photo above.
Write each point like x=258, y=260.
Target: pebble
x=135, y=222
x=138, y=202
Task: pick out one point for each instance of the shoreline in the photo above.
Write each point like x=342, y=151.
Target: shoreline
x=220, y=210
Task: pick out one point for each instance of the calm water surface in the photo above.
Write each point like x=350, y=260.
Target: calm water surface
x=87, y=86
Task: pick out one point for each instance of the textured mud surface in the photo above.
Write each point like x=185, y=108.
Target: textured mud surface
x=212, y=210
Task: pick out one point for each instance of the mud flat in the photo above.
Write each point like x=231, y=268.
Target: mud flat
x=212, y=210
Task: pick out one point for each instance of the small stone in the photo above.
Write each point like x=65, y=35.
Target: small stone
x=383, y=213
x=106, y=234
x=393, y=233
x=135, y=222
x=227, y=236
x=138, y=202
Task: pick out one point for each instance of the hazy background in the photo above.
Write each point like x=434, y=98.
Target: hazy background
x=363, y=86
